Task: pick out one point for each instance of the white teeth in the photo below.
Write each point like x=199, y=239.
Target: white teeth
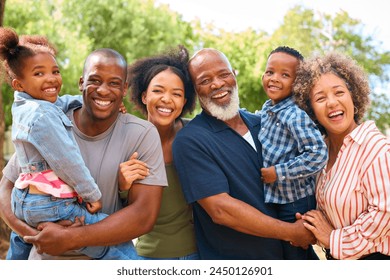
x=336, y=113
x=102, y=103
x=165, y=110
x=50, y=90
x=222, y=94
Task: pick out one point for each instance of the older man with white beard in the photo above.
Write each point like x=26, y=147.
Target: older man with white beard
x=218, y=159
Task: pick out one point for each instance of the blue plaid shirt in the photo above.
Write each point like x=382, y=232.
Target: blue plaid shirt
x=292, y=143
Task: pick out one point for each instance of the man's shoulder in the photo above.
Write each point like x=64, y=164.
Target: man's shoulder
x=132, y=127
x=252, y=118
x=132, y=120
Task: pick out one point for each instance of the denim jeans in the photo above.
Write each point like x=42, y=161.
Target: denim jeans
x=286, y=212
x=193, y=256
x=34, y=209
x=18, y=249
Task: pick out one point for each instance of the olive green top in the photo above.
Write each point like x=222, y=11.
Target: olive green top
x=173, y=234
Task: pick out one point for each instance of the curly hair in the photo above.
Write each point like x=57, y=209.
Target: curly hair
x=142, y=71
x=14, y=50
x=347, y=69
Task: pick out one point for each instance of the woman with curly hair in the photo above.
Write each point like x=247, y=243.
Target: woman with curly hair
x=162, y=90
x=353, y=191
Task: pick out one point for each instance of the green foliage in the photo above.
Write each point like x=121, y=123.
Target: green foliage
x=135, y=28
x=380, y=111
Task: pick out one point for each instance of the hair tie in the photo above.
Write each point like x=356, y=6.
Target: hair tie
x=14, y=51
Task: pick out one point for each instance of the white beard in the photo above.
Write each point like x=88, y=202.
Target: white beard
x=225, y=112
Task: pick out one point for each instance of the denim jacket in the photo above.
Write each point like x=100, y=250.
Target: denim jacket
x=43, y=139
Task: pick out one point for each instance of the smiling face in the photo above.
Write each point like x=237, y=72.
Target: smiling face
x=164, y=98
x=279, y=76
x=103, y=86
x=332, y=104
x=40, y=78
x=215, y=84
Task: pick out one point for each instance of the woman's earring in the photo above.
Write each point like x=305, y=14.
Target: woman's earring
x=355, y=111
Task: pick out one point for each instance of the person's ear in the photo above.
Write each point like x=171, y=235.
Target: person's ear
x=81, y=81
x=144, y=97
x=125, y=88
x=17, y=85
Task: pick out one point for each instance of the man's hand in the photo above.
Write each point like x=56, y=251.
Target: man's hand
x=268, y=175
x=46, y=240
x=301, y=237
x=130, y=171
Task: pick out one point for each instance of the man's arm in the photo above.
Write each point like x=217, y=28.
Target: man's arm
x=240, y=216
x=6, y=213
x=126, y=224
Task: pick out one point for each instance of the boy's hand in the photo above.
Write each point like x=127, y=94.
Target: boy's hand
x=268, y=175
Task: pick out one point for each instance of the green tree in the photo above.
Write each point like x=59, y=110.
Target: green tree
x=135, y=28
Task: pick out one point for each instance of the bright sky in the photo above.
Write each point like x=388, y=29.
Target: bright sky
x=267, y=15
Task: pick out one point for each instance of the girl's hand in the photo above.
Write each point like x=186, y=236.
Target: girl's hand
x=130, y=171
x=93, y=207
